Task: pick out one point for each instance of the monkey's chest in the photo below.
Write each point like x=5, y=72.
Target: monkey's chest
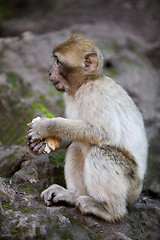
x=78, y=108
x=73, y=114
x=73, y=111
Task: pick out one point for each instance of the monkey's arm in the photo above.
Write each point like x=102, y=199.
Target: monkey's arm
x=75, y=130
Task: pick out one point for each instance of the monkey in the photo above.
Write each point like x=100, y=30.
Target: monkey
x=106, y=158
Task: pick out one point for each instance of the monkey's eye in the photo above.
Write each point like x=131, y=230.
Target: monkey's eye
x=57, y=61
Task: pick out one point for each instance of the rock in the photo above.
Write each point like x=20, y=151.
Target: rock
x=23, y=214
x=7, y=194
x=12, y=161
x=155, y=189
x=118, y=236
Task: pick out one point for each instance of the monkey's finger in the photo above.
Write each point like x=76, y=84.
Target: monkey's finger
x=35, y=144
x=28, y=137
x=38, y=146
x=44, y=197
x=29, y=134
x=33, y=140
x=40, y=150
x=33, y=137
x=28, y=143
x=30, y=130
x=47, y=195
x=32, y=143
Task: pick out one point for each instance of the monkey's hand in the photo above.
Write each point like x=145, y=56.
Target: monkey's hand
x=39, y=130
x=52, y=143
x=36, y=146
x=35, y=142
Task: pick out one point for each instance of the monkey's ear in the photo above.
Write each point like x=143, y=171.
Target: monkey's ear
x=91, y=61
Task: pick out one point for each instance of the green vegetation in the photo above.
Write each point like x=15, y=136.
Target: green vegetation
x=21, y=169
x=20, y=139
x=94, y=237
x=66, y=235
x=5, y=9
x=57, y=157
x=43, y=109
x=17, y=83
x=51, y=92
x=111, y=72
x=15, y=115
x=5, y=205
x=62, y=104
x=42, y=97
x=15, y=231
x=24, y=209
x=25, y=229
x=29, y=190
x=14, y=127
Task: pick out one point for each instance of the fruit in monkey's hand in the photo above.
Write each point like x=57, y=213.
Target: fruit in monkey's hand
x=51, y=143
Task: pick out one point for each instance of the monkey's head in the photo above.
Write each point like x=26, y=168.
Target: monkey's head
x=76, y=61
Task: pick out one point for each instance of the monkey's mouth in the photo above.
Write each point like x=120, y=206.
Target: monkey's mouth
x=59, y=86
x=55, y=83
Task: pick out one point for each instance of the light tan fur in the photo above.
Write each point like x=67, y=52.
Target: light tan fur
x=106, y=161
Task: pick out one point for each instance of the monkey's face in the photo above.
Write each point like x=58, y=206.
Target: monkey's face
x=66, y=74
x=76, y=61
x=56, y=76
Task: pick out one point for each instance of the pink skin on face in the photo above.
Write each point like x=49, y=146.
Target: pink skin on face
x=56, y=77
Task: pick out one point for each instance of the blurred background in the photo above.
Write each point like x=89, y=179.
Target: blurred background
x=40, y=16
x=128, y=33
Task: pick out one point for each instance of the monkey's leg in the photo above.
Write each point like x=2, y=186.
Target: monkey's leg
x=88, y=205
x=106, y=185
x=74, y=168
x=74, y=172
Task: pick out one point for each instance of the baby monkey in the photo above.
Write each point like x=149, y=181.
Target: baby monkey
x=104, y=131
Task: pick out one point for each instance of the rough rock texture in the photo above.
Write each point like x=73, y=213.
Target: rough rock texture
x=133, y=61
x=24, y=215
x=25, y=91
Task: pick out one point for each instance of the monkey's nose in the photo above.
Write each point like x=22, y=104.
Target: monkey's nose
x=50, y=71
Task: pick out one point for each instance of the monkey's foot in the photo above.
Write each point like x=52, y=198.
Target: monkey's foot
x=87, y=205
x=56, y=193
